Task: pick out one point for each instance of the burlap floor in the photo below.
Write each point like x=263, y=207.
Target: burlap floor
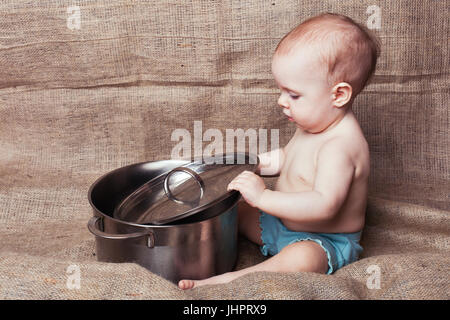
x=77, y=103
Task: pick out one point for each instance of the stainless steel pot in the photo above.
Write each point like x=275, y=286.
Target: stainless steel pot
x=189, y=248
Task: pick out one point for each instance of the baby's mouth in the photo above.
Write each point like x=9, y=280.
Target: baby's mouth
x=289, y=118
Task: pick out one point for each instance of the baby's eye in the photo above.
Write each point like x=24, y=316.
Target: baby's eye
x=294, y=96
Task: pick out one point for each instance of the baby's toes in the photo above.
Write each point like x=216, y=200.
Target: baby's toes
x=186, y=284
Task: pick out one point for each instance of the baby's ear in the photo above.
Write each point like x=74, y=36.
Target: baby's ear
x=342, y=93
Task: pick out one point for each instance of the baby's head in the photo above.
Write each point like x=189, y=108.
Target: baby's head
x=320, y=67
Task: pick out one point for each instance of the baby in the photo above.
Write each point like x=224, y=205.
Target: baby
x=312, y=221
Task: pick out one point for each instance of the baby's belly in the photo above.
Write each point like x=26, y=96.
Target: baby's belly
x=324, y=227
x=344, y=221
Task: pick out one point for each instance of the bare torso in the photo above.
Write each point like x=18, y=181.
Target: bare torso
x=299, y=170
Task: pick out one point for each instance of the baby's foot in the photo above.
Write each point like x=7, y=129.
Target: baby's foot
x=223, y=278
x=186, y=284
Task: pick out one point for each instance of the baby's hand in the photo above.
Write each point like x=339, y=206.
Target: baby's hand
x=250, y=185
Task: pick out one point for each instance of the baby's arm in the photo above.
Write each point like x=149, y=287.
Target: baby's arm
x=335, y=171
x=334, y=176
x=270, y=163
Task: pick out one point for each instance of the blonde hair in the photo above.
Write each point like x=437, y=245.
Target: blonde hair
x=348, y=49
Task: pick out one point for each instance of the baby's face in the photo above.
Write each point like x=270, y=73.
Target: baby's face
x=306, y=95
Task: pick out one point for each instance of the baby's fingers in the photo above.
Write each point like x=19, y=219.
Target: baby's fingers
x=237, y=185
x=233, y=185
x=244, y=179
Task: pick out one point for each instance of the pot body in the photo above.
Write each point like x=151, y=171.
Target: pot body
x=187, y=250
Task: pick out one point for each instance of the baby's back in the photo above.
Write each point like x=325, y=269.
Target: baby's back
x=302, y=155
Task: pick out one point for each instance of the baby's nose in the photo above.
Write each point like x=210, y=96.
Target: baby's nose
x=282, y=102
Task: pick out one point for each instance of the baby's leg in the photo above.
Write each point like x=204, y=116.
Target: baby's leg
x=305, y=256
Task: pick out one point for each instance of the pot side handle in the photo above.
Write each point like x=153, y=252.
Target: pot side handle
x=92, y=226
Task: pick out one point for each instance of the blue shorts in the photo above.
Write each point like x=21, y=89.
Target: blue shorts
x=341, y=248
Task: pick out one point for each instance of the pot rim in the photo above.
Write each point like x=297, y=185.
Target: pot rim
x=104, y=215
x=97, y=181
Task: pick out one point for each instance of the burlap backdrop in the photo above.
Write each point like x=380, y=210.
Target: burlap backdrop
x=77, y=103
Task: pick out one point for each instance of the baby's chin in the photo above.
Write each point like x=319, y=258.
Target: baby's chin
x=307, y=130
x=298, y=125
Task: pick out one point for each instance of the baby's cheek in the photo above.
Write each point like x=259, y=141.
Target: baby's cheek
x=300, y=115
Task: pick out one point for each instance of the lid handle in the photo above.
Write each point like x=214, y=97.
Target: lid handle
x=193, y=174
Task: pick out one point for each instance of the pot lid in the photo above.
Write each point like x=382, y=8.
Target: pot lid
x=185, y=190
